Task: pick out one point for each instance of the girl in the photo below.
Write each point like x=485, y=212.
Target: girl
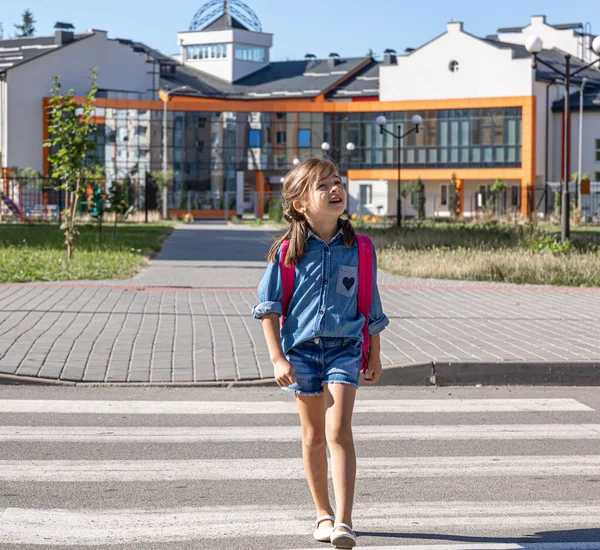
x=317, y=352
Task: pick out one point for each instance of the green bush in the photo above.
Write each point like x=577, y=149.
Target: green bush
x=276, y=211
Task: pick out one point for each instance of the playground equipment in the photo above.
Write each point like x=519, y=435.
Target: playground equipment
x=14, y=208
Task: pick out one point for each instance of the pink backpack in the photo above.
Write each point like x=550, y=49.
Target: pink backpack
x=365, y=288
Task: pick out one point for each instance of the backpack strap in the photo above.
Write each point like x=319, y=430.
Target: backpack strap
x=365, y=292
x=288, y=277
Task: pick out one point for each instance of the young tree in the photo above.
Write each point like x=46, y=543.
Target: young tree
x=72, y=140
x=419, y=190
x=117, y=198
x=163, y=182
x=453, y=197
x=27, y=27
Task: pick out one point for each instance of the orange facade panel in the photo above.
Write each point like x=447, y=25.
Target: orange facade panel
x=437, y=174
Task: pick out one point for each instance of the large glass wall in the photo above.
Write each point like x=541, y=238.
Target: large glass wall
x=207, y=149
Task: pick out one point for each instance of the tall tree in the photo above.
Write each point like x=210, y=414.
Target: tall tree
x=72, y=145
x=27, y=27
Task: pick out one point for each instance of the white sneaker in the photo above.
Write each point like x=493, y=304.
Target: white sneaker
x=343, y=539
x=322, y=534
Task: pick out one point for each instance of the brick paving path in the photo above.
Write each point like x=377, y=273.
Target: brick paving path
x=187, y=318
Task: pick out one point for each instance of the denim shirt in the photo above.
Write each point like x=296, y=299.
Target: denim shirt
x=324, y=303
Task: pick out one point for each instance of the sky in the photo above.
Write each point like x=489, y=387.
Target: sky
x=347, y=27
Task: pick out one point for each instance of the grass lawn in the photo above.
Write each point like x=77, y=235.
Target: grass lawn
x=518, y=254
x=36, y=252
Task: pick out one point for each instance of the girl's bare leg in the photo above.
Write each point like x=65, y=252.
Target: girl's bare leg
x=314, y=451
x=339, y=404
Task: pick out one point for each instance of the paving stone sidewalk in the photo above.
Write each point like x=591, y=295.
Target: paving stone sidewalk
x=186, y=318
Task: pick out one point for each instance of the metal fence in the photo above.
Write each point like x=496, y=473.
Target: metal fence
x=39, y=198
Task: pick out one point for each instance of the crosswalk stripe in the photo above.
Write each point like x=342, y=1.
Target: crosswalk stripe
x=293, y=433
x=124, y=526
x=48, y=406
x=292, y=468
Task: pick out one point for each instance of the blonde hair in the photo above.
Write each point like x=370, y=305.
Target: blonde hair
x=295, y=186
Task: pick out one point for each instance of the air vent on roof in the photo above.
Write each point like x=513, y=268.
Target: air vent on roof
x=312, y=60
x=389, y=57
x=334, y=59
x=63, y=26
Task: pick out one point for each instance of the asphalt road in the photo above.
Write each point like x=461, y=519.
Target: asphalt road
x=181, y=468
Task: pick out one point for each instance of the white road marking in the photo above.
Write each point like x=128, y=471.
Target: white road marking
x=50, y=527
x=50, y=406
x=293, y=433
x=291, y=468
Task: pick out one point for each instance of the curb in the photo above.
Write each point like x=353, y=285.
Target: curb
x=576, y=373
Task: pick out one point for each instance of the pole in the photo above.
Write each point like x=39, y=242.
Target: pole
x=579, y=164
x=564, y=233
x=164, y=197
x=399, y=202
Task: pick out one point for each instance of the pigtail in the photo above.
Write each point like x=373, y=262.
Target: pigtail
x=297, y=233
x=349, y=233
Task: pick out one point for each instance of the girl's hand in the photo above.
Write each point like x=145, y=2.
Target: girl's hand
x=374, y=369
x=284, y=372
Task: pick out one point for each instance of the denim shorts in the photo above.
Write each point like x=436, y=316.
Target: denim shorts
x=324, y=361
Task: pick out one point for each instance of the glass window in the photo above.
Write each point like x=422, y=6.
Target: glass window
x=444, y=195
x=248, y=53
x=366, y=194
x=464, y=133
x=281, y=116
x=281, y=162
x=304, y=138
x=443, y=133
x=201, y=122
x=597, y=178
x=253, y=138
x=511, y=132
x=597, y=150
x=281, y=137
x=515, y=193
x=431, y=130
x=454, y=132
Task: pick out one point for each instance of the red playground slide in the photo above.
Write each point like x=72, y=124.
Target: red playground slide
x=14, y=208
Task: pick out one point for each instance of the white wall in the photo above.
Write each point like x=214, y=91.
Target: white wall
x=562, y=39
x=484, y=71
x=379, y=196
x=119, y=68
x=591, y=132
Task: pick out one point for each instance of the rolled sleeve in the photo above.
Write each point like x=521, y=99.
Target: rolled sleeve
x=270, y=292
x=377, y=319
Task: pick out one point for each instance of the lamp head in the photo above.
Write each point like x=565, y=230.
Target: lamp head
x=325, y=146
x=534, y=44
x=417, y=120
x=596, y=45
x=381, y=121
x=296, y=161
x=350, y=146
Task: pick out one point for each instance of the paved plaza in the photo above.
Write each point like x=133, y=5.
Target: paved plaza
x=186, y=318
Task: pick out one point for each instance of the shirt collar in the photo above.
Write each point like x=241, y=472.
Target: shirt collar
x=311, y=234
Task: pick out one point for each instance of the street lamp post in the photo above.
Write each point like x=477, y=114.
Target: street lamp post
x=164, y=163
x=382, y=121
x=534, y=46
x=579, y=164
